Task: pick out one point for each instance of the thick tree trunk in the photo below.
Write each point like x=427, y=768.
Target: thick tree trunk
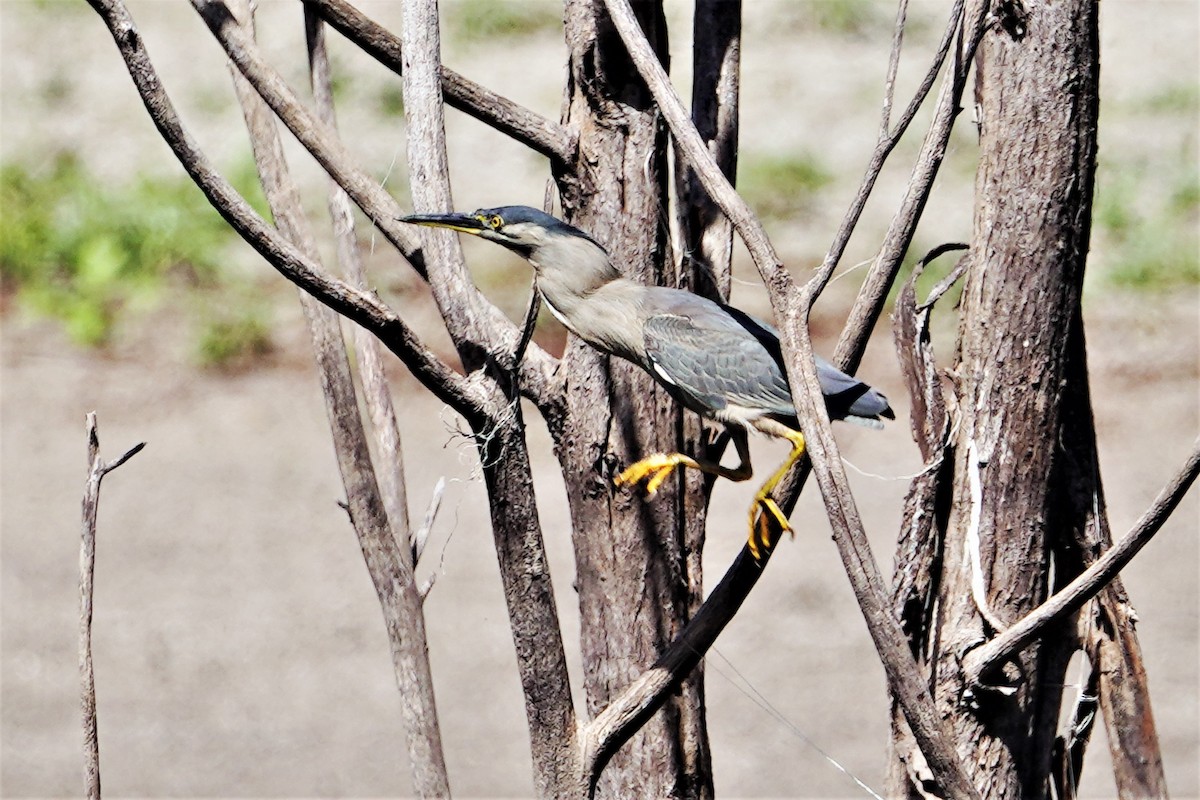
x=1037, y=82
x=1022, y=455
x=632, y=553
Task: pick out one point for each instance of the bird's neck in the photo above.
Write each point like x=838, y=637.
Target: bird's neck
x=597, y=305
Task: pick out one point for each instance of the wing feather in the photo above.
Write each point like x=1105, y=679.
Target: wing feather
x=712, y=363
x=713, y=356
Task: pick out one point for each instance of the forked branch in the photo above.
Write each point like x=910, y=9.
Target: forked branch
x=97, y=469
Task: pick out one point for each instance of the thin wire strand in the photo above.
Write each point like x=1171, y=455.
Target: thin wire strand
x=762, y=702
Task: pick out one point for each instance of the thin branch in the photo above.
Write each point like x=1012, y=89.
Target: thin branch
x=883, y=149
x=387, y=563
x=889, y=83
x=985, y=660
x=532, y=309
x=376, y=392
x=97, y=469
x=551, y=139
x=359, y=306
x=416, y=542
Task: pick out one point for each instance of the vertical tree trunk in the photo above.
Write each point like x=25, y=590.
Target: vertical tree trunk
x=631, y=553
x=1037, y=83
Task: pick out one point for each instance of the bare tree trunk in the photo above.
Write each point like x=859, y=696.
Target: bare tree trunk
x=1020, y=343
x=635, y=590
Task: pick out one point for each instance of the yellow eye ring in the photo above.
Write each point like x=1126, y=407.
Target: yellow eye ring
x=495, y=221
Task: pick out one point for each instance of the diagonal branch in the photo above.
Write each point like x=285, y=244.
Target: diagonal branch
x=551, y=139
x=870, y=589
x=985, y=660
x=359, y=306
x=97, y=469
x=874, y=292
x=617, y=723
x=888, y=139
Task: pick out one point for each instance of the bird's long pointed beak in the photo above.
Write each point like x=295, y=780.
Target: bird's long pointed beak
x=467, y=223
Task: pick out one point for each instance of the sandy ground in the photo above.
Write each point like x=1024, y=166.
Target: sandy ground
x=239, y=650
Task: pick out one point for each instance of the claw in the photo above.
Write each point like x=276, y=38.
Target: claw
x=761, y=523
x=653, y=469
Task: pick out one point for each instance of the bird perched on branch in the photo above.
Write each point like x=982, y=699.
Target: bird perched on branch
x=714, y=359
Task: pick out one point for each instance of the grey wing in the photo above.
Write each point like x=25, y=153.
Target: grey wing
x=710, y=362
x=845, y=397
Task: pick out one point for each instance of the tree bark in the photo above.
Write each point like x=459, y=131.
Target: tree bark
x=1037, y=100
x=632, y=553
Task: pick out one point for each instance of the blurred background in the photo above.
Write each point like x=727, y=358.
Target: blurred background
x=239, y=648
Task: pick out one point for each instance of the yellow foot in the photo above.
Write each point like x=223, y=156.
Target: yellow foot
x=653, y=469
x=764, y=515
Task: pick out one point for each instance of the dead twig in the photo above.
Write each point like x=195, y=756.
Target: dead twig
x=97, y=469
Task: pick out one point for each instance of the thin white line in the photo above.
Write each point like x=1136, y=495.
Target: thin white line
x=762, y=702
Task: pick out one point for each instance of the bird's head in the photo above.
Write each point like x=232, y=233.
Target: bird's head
x=520, y=228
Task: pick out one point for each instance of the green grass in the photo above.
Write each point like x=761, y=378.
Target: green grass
x=1180, y=98
x=469, y=21
x=88, y=254
x=1146, y=243
x=777, y=186
x=390, y=100
x=234, y=337
x=842, y=17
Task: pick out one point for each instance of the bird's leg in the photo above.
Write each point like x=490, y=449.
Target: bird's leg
x=768, y=510
x=657, y=468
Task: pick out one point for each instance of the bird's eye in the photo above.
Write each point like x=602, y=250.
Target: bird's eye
x=495, y=221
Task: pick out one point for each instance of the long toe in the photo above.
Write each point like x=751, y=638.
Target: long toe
x=652, y=469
